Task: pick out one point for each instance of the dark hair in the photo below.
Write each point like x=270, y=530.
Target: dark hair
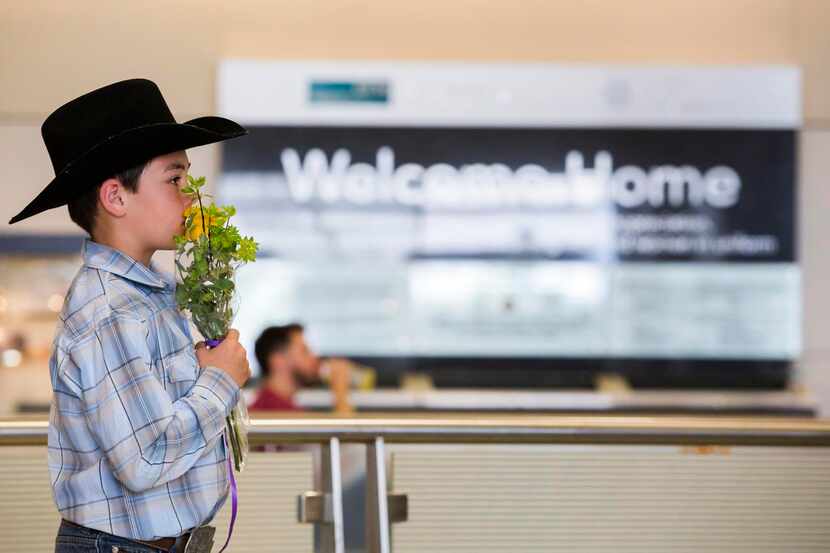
x=84, y=208
x=273, y=338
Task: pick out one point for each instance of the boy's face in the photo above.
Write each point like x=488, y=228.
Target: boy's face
x=156, y=208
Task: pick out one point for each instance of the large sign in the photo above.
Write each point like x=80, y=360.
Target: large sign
x=510, y=239
x=525, y=242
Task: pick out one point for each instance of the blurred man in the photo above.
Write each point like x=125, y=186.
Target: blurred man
x=287, y=363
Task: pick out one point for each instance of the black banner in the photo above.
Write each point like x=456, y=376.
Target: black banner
x=696, y=195
x=630, y=247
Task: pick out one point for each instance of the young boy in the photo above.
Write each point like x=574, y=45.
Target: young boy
x=136, y=454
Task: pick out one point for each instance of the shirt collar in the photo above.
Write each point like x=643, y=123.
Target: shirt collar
x=99, y=256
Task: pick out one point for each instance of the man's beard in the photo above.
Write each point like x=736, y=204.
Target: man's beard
x=304, y=381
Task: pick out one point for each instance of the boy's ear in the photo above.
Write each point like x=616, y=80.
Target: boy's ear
x=113, y=197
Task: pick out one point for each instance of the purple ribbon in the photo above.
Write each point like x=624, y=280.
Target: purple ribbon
x=234, y=491
x=234, y=495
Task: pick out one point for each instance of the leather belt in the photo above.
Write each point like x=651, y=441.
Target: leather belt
x=168, y=545
x=198, y=540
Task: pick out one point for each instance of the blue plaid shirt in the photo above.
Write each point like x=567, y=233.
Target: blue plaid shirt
x=135, y=428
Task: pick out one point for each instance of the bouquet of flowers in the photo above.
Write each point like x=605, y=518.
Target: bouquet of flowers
x=207, y=256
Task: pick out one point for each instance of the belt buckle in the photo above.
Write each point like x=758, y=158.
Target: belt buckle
x=200, y=540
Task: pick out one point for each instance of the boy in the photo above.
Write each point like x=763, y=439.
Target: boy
x=136, y=456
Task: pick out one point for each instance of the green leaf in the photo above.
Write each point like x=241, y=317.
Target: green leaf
x=224, y=284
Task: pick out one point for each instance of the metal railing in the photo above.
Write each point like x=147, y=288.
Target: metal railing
x=519, y=429
x=325, y=506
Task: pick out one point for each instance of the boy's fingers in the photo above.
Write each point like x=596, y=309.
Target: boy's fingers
x=200, y=345
x=233, y=334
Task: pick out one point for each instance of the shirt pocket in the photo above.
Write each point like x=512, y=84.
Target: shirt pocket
x=181, y=369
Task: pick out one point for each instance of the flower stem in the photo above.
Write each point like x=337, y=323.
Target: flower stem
x=205, y=228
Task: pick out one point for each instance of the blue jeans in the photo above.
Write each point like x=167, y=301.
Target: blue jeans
x=78, y=539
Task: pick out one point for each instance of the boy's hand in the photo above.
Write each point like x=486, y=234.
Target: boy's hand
x=228, y=356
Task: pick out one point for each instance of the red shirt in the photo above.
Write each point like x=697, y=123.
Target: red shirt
x=268, y=400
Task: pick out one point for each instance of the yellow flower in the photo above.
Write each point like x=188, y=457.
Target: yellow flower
x=195, y=229
x=199, y=222
x=194, y=232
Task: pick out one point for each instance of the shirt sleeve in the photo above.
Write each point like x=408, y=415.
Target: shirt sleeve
x=147, y=438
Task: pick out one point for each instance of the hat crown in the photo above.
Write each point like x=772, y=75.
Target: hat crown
x=78, y=126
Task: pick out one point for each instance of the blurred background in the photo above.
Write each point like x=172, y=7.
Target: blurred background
x=593, y=205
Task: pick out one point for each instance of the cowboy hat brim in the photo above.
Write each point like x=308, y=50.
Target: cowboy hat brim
x=125, y=150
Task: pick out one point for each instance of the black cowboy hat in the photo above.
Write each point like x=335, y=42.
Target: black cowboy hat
x=113, y=129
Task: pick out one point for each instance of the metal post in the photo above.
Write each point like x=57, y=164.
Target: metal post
x=377, y=513
x=327, y=508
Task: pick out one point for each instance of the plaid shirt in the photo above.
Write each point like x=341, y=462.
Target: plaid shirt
x=135, y=428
